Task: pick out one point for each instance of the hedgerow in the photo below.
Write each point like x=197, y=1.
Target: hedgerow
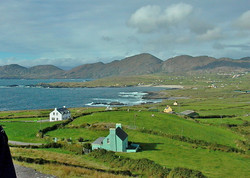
x=142, y=166
x=201, y=143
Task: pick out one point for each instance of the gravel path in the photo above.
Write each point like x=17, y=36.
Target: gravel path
x=24, y=172
x=23, y=143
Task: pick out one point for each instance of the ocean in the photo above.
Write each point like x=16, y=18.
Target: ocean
x=16, y=95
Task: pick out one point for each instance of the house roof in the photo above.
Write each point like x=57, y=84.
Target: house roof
x=63, y=110
x=99, y=141
x=187, y=112
x=121, y=134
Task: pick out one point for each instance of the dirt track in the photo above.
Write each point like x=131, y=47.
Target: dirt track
x=24, y=172
x=24, y=143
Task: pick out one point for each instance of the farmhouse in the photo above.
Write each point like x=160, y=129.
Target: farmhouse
x=59, y=114
x=168, y=109
x=117, y=141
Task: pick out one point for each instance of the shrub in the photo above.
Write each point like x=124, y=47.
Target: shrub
x=52, y=145
x=80, y=139
x=76, y=148
x=87, y=145
x=143, y=166
x=185, y=173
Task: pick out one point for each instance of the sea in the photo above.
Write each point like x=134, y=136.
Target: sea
x=17, y=94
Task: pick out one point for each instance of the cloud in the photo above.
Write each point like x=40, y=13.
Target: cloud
x=199, y=26
x=211, y=34
x=243, y=22
x=150, y=18
x=242, y=47
x=178, y=12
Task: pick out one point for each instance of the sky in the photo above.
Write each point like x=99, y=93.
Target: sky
x=68, y=33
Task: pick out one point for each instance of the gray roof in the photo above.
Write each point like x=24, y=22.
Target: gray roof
x=187, y=112
x=99, y=141
x=121, y=134
x=63, y=110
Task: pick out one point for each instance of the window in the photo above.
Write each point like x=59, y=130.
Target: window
x=108, y=141
x=53, y=113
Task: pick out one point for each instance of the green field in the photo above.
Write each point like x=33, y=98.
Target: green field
x=24, y=131
x=216, y=143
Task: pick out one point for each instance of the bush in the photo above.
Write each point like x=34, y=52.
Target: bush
x=76, y=148
x=87, y=145
x=143, y=166
x=185, y=173
x=80, y=139
x=52, y=145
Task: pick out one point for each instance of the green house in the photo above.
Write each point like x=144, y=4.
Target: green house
x=117, y=141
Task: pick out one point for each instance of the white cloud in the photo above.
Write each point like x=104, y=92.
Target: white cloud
x=150, y=18
x=210, y=34
x=73, y=32
x=177, y=12
x=146, y=19
x=243, y=21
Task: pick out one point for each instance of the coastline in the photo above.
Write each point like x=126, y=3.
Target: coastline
x=164, y=86
x=66, y=85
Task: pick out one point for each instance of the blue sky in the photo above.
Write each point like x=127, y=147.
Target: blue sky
x=68, y=33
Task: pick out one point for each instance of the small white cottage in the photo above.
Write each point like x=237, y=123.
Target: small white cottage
x=59, y=114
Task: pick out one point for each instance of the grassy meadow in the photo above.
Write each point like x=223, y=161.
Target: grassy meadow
x=216, y=143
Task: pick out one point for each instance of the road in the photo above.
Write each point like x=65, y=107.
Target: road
x=23, y=143
x=24, y=172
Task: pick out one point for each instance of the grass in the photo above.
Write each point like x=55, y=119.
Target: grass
x=24, y=131
x=171, y=153
x=163, y=150
x=66, y=158
x=24, y=113
x=161, y=122
x=35, y=119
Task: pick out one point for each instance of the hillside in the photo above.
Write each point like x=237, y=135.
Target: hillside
x=141, y=64
x=185, y=63
x=17, y=71
x=135, y=65
x=12, y=71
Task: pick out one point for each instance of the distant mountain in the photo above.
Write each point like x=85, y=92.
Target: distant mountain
x=17, y=71
x=184, y=63
x=245, y=59
x=85, y=71
x=135, y=65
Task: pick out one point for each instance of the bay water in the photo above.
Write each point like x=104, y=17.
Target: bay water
x=16, y=95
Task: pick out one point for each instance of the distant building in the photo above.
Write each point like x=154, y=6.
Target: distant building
x=108, y=108
x=168, y=109
x=59, y=114
x=117, y=141
x=190, y=113
x=175, y=103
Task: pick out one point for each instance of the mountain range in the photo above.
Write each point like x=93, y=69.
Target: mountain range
x=135, y=65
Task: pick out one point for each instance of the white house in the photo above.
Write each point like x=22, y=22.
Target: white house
x=59, y=114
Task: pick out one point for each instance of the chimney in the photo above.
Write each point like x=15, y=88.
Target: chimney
x=112, y=131
x=118, y=125
x=64, y=106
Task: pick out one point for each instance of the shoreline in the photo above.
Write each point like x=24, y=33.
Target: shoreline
x=164, y=86
x=50, y=85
